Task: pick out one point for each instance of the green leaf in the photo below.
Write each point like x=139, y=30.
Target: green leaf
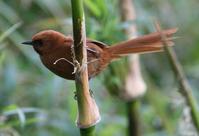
x=10, y=107
x=9, y=31
x=92, y=6
x=2, y=57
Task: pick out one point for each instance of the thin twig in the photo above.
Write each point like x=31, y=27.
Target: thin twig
x=64, y=60
x=185, y=88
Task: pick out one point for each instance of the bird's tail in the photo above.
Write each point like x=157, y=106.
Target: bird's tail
x=144, y=44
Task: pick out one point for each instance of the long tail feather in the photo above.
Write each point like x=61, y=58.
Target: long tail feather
x=147, y=43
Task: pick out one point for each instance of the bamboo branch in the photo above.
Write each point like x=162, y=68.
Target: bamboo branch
x=185, y=88
x=88, y=114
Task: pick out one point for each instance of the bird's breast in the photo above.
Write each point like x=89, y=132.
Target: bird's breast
x=61, y=65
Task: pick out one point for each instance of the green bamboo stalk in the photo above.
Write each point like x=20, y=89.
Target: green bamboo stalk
x=88, y=114
x=88, y=132
x=133, y=105
x=185, y=88
x=133, y=118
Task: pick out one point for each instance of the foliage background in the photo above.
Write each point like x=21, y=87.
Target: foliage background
x=33, y=101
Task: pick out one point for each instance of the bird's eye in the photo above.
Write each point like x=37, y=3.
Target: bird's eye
x=38, y=43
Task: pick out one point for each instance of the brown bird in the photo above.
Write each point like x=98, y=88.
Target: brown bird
x=55, y=52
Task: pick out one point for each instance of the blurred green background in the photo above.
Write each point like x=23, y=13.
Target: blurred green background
x=35, y=102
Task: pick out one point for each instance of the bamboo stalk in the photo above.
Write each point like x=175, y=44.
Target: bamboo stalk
x=134, y=83
x=88, y=132
x=185, y=88
x=88, y=114
x=133, y=118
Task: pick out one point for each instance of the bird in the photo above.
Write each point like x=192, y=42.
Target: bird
x=55, y=50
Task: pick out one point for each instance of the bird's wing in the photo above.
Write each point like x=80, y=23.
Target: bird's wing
x=98, y=43
x=94, y=47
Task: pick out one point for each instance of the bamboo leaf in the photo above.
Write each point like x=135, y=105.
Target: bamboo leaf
x=9, y=31
x=92, y=7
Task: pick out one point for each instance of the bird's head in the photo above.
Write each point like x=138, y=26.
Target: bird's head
x=48, y=40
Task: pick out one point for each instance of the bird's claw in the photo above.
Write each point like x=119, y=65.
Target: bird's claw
x=75, y=70
x=76, y=66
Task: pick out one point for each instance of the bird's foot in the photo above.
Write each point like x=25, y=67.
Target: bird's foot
x=76, y=66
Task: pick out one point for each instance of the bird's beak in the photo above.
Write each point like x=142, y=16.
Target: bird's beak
x=28, y=43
